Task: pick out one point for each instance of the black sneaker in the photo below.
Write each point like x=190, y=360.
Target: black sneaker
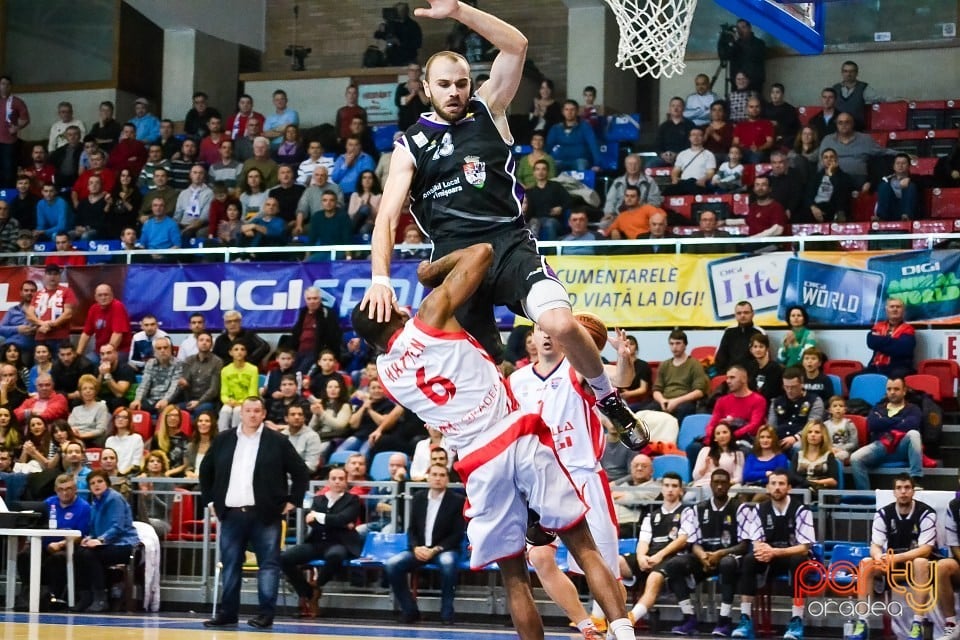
x=633, y=432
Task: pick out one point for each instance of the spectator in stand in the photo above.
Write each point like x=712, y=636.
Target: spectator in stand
x=238, y=381
x=9, y=229
x=402, y=34
x=898, y=197
x=324, y=370
x=289, y=151
x=765, y=457
x=639, y=389
x=152, y=506
x=795, y=408
x=42, y=364
x=222, y=200
x=147, y=124
x=329, y=226
x=53, y=214
x=257, y=348
x=854, y=150
x=160, y=231
x=718, y=132
x=722, y=453
x=749, y=55
x=127, y=443
x=331, y=415
x=128, y=153
x=814, y=380
x=210, y=143
x=204, y=432
x=739, y=97
x=649, y=192
x=348, y=112
x=316, y=329
x=894, y=427
x=798, y=339
x=52, y=309
x=15, y=327
x=253, y=193
x=155, y=160
x=742, y=409
x=90, y=216
x=199, y=381
x=579, y=232
x=591, y=112
x=729, y=176
x=707, y=228
x=693, y=169
x=765, y=374
x=766, y=216
x=67, y=371
x=672, y=134
x=410, y=98
x=168, y=142
x=350, y=165
x=893, y=342
x=237, y=124
x=192, y=212
x=12, y=355
x=16, y=118
x=365, y=203
x=358, y=129
x=182, y=162
x=128, y=241
x=23, y=207
x=734, y=345
x=106, y=131
x=545, y=110
x=158, y=387
x=142, y=341
x=163, y=191
x=227, y=169
x=658, y=231
x=89, y=419
x=66, y=159
x=697, y=105
x=572, y=142
x=107, y=322
x=376, y=415
x=420, y=250
x=755, y=135
x=197, y=121
x=841, y=430
x=283, y=364
x=39, y=171
x=287, y=194
x=289, y=394
x=681, y=381
x=825, y=122
x=58, y=130
x=642, y=488
x=275, y=125
x=854, y=95
x=784, y=116
x=170, y=440
x=243, y=146
x=46, y=404
x=312, y=199
x=305, y=440
x=315, y=158
x=420, y=461
x=115, y=378
x=786, y=185
x=61, y=246
x=545, y=204
x=526, y=164
x=828, y=191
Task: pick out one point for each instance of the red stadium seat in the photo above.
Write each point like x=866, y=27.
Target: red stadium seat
x=860, y=422
x=842, y=368
x=923, y=166
x=185, y=426
x=926, y=383
x=912, y=142
x=936, y=227
x=813, y=229
x=926, y=114
x=660, y=175
x=141, y=423
x=945, y=203
x=881, y=137
x=863, y=207
x=851, y=229
x=93, y=457
x=887, y=116
x=681, y=205
x=940, y=142
x=946, y=371
x=808, y=113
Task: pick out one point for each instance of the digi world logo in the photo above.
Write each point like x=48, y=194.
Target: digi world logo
x=812, y=579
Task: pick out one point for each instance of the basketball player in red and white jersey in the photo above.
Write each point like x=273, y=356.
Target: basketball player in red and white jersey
x=553, y=389
x=506, y=458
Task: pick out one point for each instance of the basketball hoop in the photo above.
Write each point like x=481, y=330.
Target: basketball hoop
x=653, y=35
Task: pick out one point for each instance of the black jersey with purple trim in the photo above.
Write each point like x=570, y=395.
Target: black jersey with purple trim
x=464, y=185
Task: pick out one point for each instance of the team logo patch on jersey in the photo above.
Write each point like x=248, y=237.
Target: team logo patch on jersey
x=475, y=170
x=446, y=147
x=419, y=139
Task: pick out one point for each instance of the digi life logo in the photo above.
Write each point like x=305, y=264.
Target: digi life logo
x=755, y=279
x=843, y=578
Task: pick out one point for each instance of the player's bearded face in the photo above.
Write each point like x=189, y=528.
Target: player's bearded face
x=448, y=86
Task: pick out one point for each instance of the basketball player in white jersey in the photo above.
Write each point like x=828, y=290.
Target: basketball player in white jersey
x=553, y=389
x=455, y=169
x=506, y=459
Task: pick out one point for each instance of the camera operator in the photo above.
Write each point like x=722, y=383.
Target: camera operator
x=402, y=34
x=748, y=54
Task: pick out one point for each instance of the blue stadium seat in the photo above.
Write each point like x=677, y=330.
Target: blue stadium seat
x=588, y=177
x=849, y=554
x=677, y=464
x=693, y=426
x=380, y=547
x=383, y=137
x=379, y=465
x=870, y=387
x=106, y=249
x=339, y=457
x=623, y=128
x=610, y=156
x=8, y=195
x=520, y=150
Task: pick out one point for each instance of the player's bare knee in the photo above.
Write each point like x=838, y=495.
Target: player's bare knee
x=948, y=568
x=542, y=558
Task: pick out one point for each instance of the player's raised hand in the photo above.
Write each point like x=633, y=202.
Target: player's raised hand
x=438, y=10
x=619, y=342
x=380, y=302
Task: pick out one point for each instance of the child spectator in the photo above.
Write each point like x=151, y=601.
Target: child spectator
x=286, y=357
x=729, y=177
x=843, y=433
x=322, y=372
x=814, y=380
x=238, y=381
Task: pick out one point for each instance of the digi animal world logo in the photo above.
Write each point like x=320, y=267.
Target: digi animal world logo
x=843, y=578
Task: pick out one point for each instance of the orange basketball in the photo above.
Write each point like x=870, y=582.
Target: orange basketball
x=594, y=326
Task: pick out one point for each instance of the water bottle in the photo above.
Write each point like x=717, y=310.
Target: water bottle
x=52, y=517
x=848, y=628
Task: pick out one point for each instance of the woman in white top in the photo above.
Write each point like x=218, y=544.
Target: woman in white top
x=89, y=420
x=421, y=454
x=721, y=454
x=331, y=415
x=127, y=443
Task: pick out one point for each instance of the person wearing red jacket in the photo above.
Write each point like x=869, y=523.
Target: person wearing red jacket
x=48, y=404
x=743, y=409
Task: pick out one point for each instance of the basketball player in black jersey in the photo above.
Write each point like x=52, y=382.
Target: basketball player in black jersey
x=456, y=165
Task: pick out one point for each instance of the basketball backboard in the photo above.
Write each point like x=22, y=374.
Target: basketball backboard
x=796, y=24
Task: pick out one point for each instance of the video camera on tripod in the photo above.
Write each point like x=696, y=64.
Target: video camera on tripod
x=726, y=42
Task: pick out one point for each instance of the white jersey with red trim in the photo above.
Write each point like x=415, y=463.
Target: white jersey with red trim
x=448, y=380
x=567, y=408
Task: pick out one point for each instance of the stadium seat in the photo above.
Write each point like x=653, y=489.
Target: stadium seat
x=704, y=352
x=851, y=229
x=860, y=422
x=380, y=547
x=923, y=166
x=677, y=464
x=912, y=142
x=8, y=195
x=93, y=457
x=842, y=368
x=339, y=457
x=692, y=427
x=186, y=426
x=863, y=207
x=947, y=372
x=716, y=382
x=660, y=175
x=945, y=203
x=610, y=156
x=925, y=382
x=623, y=128
x=379, y=470
x=141, y=423
x=806, y=114
x=587, y=177
x=837, y=384
x=383, y=137
x=811, y=229
x=521, y=150
x=845, y=563
x=870, y=387
x=940, y=142
x=927, y=114
x=181, y=515
x=887, y=116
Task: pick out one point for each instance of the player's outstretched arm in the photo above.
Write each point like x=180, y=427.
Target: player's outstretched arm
x=380, y=299
x=459, y=274
x=507, y=67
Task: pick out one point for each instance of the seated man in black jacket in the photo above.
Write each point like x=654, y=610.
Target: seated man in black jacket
x=435, y=533
x=332, y=536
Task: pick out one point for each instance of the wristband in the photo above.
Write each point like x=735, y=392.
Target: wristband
x=382, y=280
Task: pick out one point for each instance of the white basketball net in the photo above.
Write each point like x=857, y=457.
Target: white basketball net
x=653, y=35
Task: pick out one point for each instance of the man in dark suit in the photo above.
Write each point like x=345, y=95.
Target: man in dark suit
x=708, y=229
x=658, y=231
x=245, y=475
x=317, y=328
x=435, y=533
x=333, y=537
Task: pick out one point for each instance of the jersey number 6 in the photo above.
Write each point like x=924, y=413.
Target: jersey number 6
x=439, y=389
